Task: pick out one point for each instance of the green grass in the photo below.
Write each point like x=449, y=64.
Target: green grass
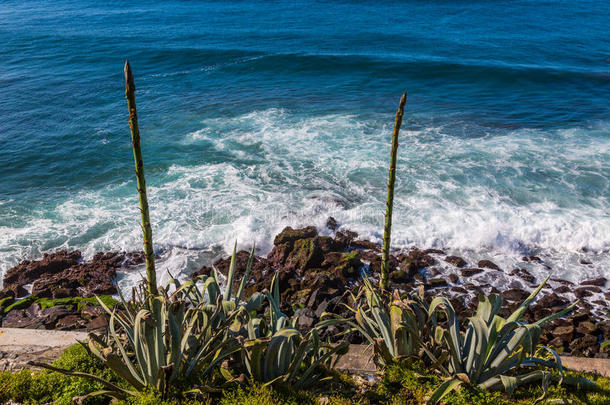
x=400, y=384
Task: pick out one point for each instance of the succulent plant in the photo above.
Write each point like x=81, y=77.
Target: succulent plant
x=396, y=327
x=274, y=351
x=165, y=342
x=492, y=349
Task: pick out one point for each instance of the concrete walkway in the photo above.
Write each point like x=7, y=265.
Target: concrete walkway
x=18, y=346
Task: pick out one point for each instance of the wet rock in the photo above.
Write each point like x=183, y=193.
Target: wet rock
x=327, y=244
x=366, y=244
x=588, y=291
x=414, y=261
x=488, y=264
x=599, y=282
x=375, y=264
x=459, y=290
x=305, y=254
x=585, y=261
x=331, y=223
x=586, y=327
x=562, y=289
x=515, y=294
x=29, y=271
x=531, y=259
x=344, y=238
x=289, y=235
x=434, y=251
x=523, y=274
x=563, y=282
x=565, y=333
x=453, y=278
x=346, y=264
x=436, y=282
x=456, y=261
x=470, y=272
x=400, y=276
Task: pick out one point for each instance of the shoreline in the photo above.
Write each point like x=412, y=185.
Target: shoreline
x=316, y=274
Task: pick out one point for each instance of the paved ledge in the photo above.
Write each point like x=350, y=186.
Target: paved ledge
x=18, y=346
x=359, y=360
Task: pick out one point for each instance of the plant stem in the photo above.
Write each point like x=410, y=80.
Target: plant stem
x=130, y=90
x=387, y=229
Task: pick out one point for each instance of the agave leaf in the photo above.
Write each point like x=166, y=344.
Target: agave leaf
x=231, y=273
x=516, y=316
x=122, y=393
x=244, y=280
x=123, y=352
x=444, y=389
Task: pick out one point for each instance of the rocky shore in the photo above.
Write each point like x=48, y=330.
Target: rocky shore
x=316, y=275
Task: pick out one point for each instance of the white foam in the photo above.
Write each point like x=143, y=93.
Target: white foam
x=498, y=196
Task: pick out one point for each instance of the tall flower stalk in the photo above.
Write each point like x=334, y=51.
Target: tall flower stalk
x=130, y=95
x=387, y=229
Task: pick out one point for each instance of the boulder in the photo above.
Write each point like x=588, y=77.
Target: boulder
x=331, y=223
x=453, y=278
x=414, y=261
x=515, y=294
x=599, y=282
x=488, y=264
x=289, y=235
x=28, y=271
x=456, y=261
x=470, y=272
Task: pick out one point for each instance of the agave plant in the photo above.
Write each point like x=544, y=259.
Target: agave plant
x=206, y=297
x=276, y=352
x=159, y=346
x=493, y=348
x=396, y=327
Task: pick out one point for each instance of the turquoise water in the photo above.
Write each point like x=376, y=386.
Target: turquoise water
x=256, y=115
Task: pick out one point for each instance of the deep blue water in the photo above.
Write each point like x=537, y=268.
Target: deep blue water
x=260, y=114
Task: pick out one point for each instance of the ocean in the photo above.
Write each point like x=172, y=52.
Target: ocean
x=257, y=115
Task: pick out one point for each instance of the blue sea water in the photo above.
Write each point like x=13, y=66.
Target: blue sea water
x=260, y=114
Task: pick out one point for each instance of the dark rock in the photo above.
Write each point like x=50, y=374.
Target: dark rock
x=488, y=264
x=523, y=274
x=305, y=318
x=365, y=244
x=456, y=261
x=470, y=272
x=414, y=261
x=515, y=294
x=531, y=259
x=454, y=278
x=436, y=282
x=565, y=333
x=587, y=345
x=588, y=291
x=289, y=235
x=400, y=276
x=586, y=328
x=434, y=251
x=343, y=239
x=562, y=289
x=557, y=343
x=29, y=271
x=599, y=282
x=561, y=281
x=346, y=264
x=331, y=223
x=459, y=290
x=585, y=261
x=327, y=244
x=306, y=254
